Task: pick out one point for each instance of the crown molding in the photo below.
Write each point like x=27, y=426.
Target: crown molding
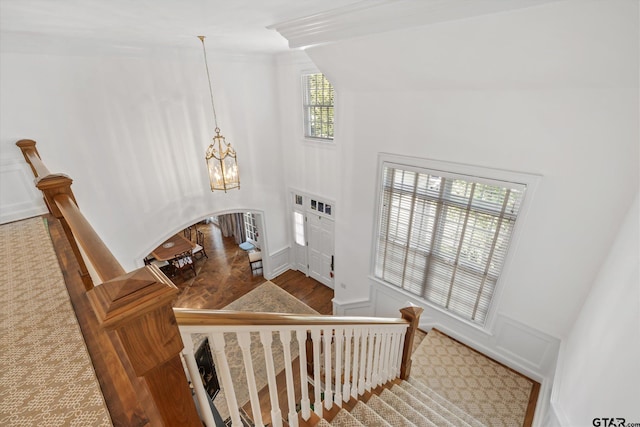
x=367, y=17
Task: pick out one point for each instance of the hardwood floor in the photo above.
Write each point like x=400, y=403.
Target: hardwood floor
x=225, y=276
x=221, y=279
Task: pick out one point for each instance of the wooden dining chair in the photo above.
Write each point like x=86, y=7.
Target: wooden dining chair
x=187, y=233
x=183, y=262
x=199, y=251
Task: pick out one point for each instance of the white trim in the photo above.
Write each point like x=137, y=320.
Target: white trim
x=531, y=181
x=363, y=18
x=346, y=308
x=27, y=199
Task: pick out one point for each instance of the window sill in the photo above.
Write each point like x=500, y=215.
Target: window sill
x=319, y=142
x=414, y=299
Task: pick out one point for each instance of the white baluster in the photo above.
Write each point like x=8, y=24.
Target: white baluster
x=362, y=383
x=375, y=381
x=328, y=394
x=403, y=336
x=337, y=399
x=346, y=388
x=285, y=339
x=301, y=334
x=317, y=386
x=392, y=355
x=370, y=344
x=397, y=354
x=244, y=341
x=356, y=355
x=218, y=343
x=196, y=380
x=276, y=416
x=384, y=357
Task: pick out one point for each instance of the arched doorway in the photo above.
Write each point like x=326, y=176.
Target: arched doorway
x=223, y=272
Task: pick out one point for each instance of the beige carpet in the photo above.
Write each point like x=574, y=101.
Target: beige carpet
x=46, y=375
x=484, y=389
x=270, y=298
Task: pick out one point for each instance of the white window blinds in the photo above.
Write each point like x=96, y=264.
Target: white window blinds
x=444, y=237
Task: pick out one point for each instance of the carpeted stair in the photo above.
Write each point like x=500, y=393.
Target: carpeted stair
x=405, y=404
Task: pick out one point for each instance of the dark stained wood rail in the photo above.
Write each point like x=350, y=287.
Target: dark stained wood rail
x=136, y=305
x=32, y=157
x=189, y=317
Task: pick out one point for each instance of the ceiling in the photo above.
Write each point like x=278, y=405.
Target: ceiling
x=136, y=26
x=139, y=27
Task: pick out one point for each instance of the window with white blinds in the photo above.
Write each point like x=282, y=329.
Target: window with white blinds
x=444, y=237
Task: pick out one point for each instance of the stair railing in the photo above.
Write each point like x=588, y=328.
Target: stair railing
x=136, y=305
x=356, y=355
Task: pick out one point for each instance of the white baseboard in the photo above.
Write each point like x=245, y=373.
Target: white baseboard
x=19, y=198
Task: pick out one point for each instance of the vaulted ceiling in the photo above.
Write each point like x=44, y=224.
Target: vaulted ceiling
x=136, y=27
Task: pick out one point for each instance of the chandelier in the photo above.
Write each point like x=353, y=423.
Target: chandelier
x=220, y=156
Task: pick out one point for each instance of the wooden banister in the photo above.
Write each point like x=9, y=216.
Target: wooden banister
x=52, y=185
x=32, y=157
x=411, y=315
x=137, y=305
x=191, y=317
x=99, y=256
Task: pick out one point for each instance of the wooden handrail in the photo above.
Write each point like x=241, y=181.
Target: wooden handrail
x=136, y=305
x=99, y=256
x=192, y=317
x=31, y=155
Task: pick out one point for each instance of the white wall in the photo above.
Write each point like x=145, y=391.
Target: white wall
x=551, y=90
x=599, y=372
x=311, y=165
x=132, y=132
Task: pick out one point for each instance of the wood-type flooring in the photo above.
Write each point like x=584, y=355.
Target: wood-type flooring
x=225, y=276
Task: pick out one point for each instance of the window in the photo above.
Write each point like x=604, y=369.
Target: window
x=298, y=224
x=318, y=106
x=250, y=227
x=444, y=237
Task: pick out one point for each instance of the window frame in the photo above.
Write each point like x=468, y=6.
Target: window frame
x=451, y=169
x=305, y=121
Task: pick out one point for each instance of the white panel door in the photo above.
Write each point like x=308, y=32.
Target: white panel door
x=320, y=249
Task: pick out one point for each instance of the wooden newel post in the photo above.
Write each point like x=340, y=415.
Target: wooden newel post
x=137, y=306
x=52, y=186
x=412, y=314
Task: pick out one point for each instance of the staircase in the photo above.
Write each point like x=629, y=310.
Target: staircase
x=404, y=404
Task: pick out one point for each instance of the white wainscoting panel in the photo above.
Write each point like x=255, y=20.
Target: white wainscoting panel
x=352, y=308
x=277, y=264
x=525, y=349
x=19, y=198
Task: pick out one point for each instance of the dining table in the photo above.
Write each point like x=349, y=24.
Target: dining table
x=174, y=245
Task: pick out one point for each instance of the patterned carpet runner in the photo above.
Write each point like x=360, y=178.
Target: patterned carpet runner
x=451, y=385
x=481, y=387
x=46, y=375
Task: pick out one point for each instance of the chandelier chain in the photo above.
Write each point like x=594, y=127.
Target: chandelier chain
x=206, y=64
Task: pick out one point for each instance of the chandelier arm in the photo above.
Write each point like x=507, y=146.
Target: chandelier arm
x=206, y=64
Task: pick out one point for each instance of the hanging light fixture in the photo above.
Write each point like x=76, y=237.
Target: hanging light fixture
x=220, y=156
